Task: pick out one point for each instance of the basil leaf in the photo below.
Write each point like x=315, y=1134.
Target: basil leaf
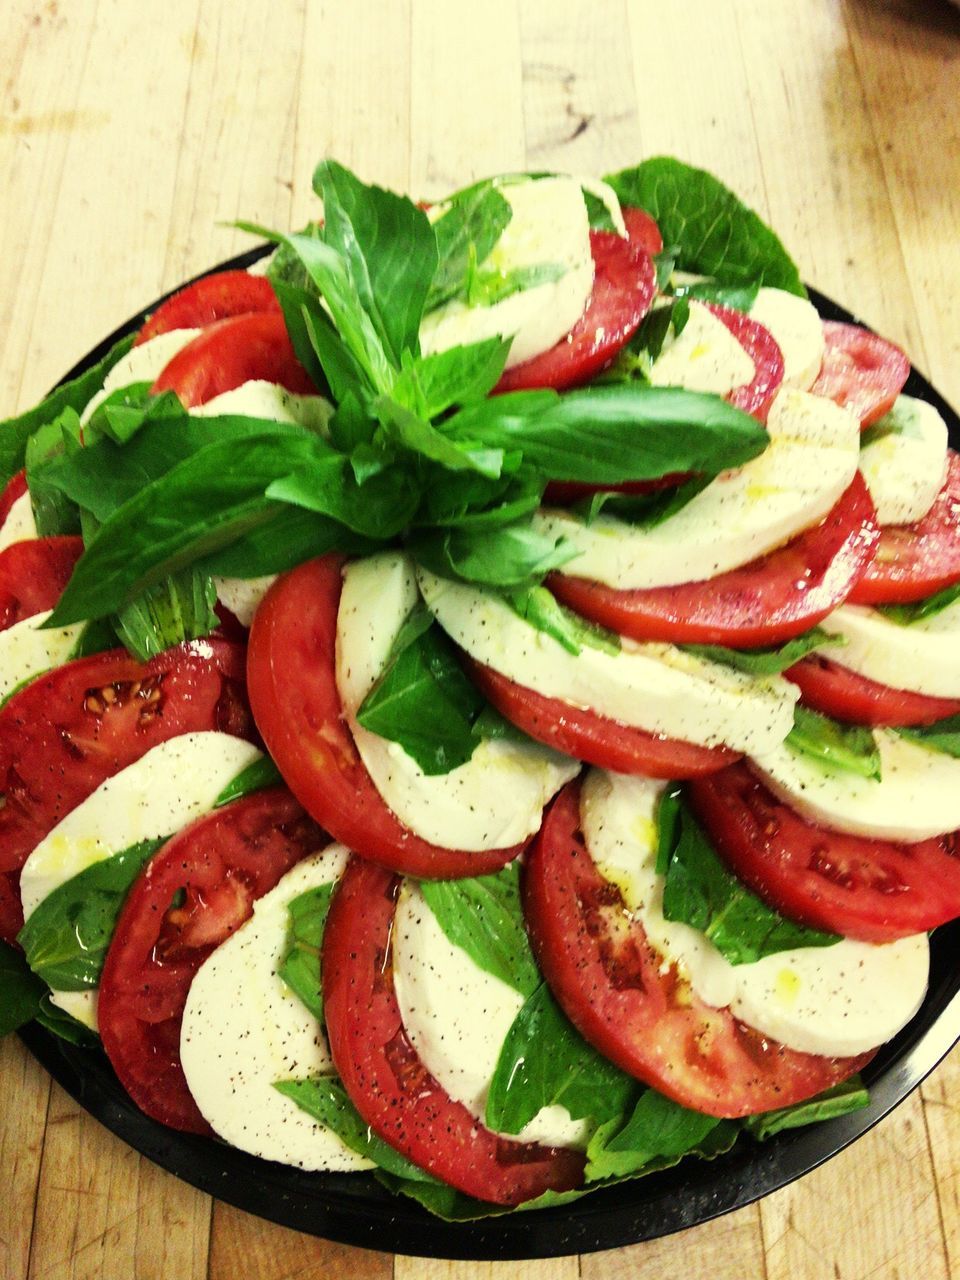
x=379, y=507
x=96, y=637
x=125, y=411
x=847, y=747
x=701, y=891
x=317, y=344
x=66, y=938
x=62, y=1024
x=665, y=263
x=668, y=826
x=905, y=614
x=656, y=1134
x=54, y=513
x=179, y=609
x=483, y=915
x=716, y=233
x=289, y=537
x=429, y=385
x=257, y=776
x=485, y=288
x=513, y=556
x=943, y=735
x=906, y=417
x=400, y=426
x=470, y=501
x=769, y=660
x=20, y=990
x=840, y=1100
x=740, y=297
x=542, y=610
x=598, y=215
x=465, y=232
x=300, y=966
x=643, y=510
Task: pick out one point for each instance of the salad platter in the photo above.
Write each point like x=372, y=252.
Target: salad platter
x=355, y=1207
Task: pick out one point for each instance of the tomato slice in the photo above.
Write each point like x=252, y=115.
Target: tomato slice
x=861, y=371
x=389, y=1085
x=215, y=297
x=874, y=890
x=15, y=488
x=624, y=286
x=33, y=575
x=754, y=397
x=846, y=695
x=69, y=730
x=764, y=602
x=640, y=1013
x=291, y=674
x=595, y=738
x=233, y=351
x=219, y=866
x=914, y=561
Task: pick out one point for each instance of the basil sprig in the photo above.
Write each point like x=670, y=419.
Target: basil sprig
x=768, y=660
x=943, y=735
x=300, y=965
x=851, y=748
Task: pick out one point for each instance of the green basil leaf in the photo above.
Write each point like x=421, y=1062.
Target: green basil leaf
x=66, y=938
x=513, y=556
x=289, y=537
x=470, y=501
x=54, y=513
x=542, y=610
x=943, y=735
x=657, y=1134
x=174, y=611
x=716, y=233
x=62, y=1024
x=485, y=288
x=429, y=385
x=379, y=507
x=840, y=1100
x=905, y=418
x=125, y=411
x=483, y=916
x=257, y=776
x=598, y=215
x=643, y=510
x=701, y=891
x=740, y=297
x=302, y=315
x=465, y=232
x=96, y=637
x=905, y=614
x=20, y=990
x=668, y=826
x=400, y=426
x=850, y=748
x=769, y=660
x=300, y=966
x=665, y=263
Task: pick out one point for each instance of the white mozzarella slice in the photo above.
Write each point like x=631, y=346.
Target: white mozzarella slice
x=838, y=1000
x=19, y=525
x=244, y=1029
x=549, y=226
x=25, y=650
x=260, y=399
x=144, y=363
x=905, y=461
x=607, y=197
x=457, y=1017
x=655, y=687
x=242, y=596
x=261, y=266
x=923, y=657
x=797, y=329
x=917, y=795
x=496, y=798
x=741, y=515
x=704, y=356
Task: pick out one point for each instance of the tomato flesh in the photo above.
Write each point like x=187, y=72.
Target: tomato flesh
x=594, y=738
x=846, y=695
x=388, y=1083
x=861, y=371
x=15, y=488
x=215, y=297
x=219, y=865
x=874, y=890
x=231, y=352
x=764, y=602
x=291, y=674
x=636, y=1010
x=624, y=286
x=754, y=397
x=33, y=575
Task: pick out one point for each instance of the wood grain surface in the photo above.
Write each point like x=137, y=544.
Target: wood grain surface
x=131, y=133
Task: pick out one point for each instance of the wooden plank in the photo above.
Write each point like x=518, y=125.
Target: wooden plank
x=244, y=1245
x=24, y=1095
x=442, y=1269
x=941, y=1111
x=729, y=1249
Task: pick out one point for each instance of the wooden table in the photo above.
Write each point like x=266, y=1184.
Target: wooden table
x=129, y=131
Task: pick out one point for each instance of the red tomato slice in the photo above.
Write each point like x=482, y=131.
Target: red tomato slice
x=15, y=488
x=33, y=575
x=595, y=738
x=755, y=397
x=624, y=285
x=764, y=602
x=914, y=561
x=861, y=371
x=846, y=695
x=216, y=297
x=222, y=862
x=231, y=352
x=291, y=674
x=387, y=1082
x=874, y=890
x=639, y=1012
x=69, y=730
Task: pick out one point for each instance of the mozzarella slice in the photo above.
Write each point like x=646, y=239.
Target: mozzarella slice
x=923, y=657
x=19, y=525
x=741, y=515
x=549, y=226
x=493, y=801
x=25, y=650
x=905, y=468
x=704, y=356
x=242, y=596
x=244, y=1029
x=917, y=795
x=797, y=329
x=838, y=1000
x=457, y=1017
x=144, y=363
x=260, y=399
x=655, y=687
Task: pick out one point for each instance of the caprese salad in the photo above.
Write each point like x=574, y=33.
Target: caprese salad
x=480, y=693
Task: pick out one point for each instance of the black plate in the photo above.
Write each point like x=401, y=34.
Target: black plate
x=354, y=1209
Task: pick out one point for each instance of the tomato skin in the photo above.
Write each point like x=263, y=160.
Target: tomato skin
x=861, y=371
x=215, y=297
x=754, y=397
x=224, y=861
x=233, y=351
x=914, y=561
x=15, y=488
x=764, y=602
x=594, y=738
x=874, y=890
x=291, y=677
x=387, y=1082
x=72, y=728
x=614, y=988
x=33, y=575
x=846, y=695
x=624, y=286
